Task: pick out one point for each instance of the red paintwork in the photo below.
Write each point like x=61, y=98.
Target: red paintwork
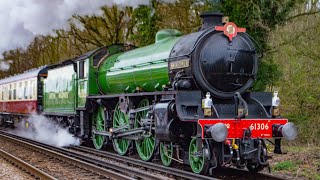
x=21, y=107
x=225, y=30
x=236, y=127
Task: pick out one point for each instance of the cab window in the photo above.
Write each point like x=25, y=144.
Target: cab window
x=83, y=69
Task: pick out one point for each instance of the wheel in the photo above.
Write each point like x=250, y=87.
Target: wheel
x=197, y=160
x=146, y=146
x=98, y=124
x=254, y=168
x=166, y=153
x=120, y=120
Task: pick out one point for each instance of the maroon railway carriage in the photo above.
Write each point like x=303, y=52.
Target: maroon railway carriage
x=19, y=95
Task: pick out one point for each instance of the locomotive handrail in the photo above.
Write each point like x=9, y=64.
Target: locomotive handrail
x=258, y=46
x=237, y=97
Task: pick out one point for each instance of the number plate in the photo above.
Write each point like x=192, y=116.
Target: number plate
x=261, y=128
x=180, y=64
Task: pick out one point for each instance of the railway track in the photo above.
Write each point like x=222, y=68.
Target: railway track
x=53, y=163
x=138, y=169
x=121, y=167
x=135, y=163
x=222, y=173
x=30, y=169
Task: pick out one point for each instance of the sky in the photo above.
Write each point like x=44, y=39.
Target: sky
x=22, y=20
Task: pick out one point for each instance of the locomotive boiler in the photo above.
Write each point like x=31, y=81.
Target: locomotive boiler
x=185, y=98
x=205, y=60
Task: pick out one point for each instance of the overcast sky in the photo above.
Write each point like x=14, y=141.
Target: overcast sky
x=22, y=20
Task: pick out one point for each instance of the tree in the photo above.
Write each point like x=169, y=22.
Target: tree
x=146, y=25
x=295, y=45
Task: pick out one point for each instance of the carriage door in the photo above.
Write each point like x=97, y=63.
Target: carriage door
x=83, y=67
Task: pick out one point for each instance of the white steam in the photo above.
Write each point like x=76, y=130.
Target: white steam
x=131, y=3
x=22, y=20
x=46, y=131
x=4, y=65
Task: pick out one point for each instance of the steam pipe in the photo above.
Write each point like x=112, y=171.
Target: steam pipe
x=265, y=163
x=237, y=98
x=215, y=110
x=231, y=155
x=238, y=158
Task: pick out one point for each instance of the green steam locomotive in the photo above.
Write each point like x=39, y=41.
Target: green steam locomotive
x=184, y=98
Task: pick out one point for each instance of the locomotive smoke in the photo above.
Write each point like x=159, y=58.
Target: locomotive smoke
x=4, y=65
x=21, y=21
x=46, y=131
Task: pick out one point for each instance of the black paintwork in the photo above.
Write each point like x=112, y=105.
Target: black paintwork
x=217, y=65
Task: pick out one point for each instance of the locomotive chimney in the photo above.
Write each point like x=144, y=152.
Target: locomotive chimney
x=210, y=19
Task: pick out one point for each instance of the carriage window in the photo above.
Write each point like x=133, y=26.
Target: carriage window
x=1, y=93
x=30, y=89
x=10, y=92
x=6, y=93
x=25, y=93
x=14, y=91
x=20, y=90
x=35, y=89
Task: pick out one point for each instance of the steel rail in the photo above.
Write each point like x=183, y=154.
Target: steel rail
x=37, y=173
x=82, y=164
x=152, y=166
x=172, y=171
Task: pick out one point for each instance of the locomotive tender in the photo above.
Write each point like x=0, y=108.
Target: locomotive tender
x=183, y=98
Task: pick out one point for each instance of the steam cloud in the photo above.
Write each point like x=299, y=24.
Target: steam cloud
x=46, y=131
x=4, y=66
x=22, y=20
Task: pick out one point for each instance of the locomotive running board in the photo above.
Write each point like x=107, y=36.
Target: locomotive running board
x=133, y=94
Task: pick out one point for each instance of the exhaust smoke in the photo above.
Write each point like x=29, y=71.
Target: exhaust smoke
x=46, y=131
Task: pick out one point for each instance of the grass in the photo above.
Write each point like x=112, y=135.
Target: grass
x=302, y=162
x=285, y=165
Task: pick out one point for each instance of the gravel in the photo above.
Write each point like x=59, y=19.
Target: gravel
x=8, y=171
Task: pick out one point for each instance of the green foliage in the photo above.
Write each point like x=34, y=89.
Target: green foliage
x=296, y=50
x=285, y=165
x=268, y=75
x=146, y=25
x=259, y=18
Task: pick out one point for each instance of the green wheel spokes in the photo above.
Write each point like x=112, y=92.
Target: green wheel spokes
x=166, y=152
x=197, y=162
x=120, y=120
x=146, y=146
x=98, y=124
